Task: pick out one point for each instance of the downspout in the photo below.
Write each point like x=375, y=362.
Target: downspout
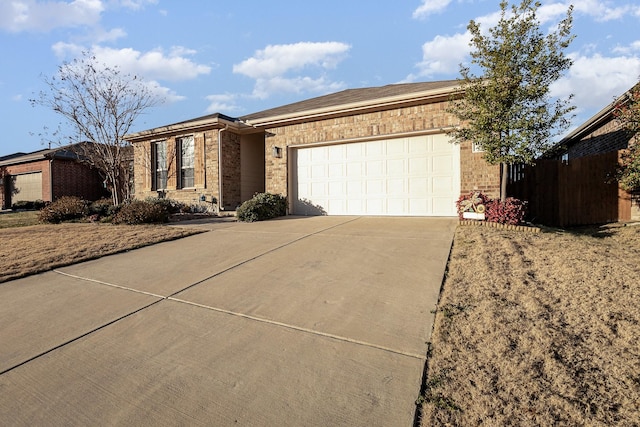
x=51, y=179
x=220, y=204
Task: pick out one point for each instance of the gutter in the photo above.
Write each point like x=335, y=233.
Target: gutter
x=51, y=179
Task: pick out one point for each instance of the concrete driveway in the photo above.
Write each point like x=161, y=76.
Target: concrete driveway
x=299, y=321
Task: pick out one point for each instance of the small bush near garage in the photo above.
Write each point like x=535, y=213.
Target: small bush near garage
x=141, y=212
x=512, y=211
x=66, y=208
x=169, y=205
x=261, y=207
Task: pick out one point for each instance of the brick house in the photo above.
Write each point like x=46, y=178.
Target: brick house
x=370, y=151
x=46, y=175
x=599, y=135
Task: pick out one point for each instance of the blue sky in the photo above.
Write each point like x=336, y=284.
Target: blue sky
x=242, y=56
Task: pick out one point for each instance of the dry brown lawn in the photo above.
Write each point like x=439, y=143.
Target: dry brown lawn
x=537, y=330
x=37, y=248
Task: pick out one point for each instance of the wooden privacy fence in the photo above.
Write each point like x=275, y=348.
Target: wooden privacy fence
x=576, y=192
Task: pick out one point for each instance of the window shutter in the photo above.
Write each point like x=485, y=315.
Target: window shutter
x=199, y=166
x=154, y=166
x=178, y=163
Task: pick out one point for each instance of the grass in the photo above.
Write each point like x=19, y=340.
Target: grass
x=537, y=329
x=26, y=250
x=18, y=219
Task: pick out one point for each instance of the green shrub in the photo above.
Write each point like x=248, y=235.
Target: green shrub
x=28, y=205
x=102, y=208
x=141, y=212
x=261, y=207
x=169, y=205
x=66, y=208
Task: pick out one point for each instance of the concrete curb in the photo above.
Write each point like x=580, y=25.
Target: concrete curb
x=500, y=226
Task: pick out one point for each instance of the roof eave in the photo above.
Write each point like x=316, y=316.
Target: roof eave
x=356, y=107
x=190, y=126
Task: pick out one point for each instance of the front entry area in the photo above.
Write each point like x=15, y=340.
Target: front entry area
x=410, y=176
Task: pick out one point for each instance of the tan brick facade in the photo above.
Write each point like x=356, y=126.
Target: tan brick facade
x=206, y=169
x=428, y=118
x=345, y=117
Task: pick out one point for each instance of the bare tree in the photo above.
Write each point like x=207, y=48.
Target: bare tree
x=100, y=104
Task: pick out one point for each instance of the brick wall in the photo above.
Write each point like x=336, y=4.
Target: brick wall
x=206, y=169
x=394, y=122
x=476, y=174
x=31, y=167
x=231, y=185
x=608, y=137
x=71, y=178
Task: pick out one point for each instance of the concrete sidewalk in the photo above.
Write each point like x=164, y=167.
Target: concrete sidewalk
x=297, y=321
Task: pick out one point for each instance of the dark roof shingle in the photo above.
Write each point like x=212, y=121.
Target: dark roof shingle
x=350, y=96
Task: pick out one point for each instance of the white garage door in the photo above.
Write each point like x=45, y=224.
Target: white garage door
x=27, y=187
x=417, y=176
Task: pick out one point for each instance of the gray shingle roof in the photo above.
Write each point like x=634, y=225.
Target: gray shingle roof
x=350, y=96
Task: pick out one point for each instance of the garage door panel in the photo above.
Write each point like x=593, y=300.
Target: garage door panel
x=26, y=187
x=403, y=176
x=396, y=167
x=375, y=149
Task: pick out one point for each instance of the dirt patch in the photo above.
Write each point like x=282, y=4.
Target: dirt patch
x=38, y=248
x=537, y=329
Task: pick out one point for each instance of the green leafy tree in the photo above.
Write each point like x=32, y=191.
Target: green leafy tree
x=627, y=112
x=99, y=103
x=507, y=110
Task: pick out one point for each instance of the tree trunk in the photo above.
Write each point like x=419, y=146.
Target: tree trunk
x=504, y=178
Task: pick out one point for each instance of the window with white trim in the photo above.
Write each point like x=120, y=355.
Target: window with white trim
x=476, y=148
x=159, y=169
x=186, y=148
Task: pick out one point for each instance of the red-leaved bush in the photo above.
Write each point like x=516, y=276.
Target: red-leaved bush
x=511, y=211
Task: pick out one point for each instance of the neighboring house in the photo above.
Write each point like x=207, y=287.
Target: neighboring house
x=573, y=184
x=46, y=175
x=371, y=151
x=602, y=133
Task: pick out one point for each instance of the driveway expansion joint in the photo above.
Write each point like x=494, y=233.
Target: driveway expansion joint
x=100, y=282
x=301, y=329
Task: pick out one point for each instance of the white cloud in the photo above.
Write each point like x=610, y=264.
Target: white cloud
x=155, y=64
x=596, y=80
x=222, y=103
x=134, y=4
x=275, y=60
x=30, y=15
x=603, y=11
x=271, y=67
x=430, y=7
x=265, y=87
x=629, y=49
x=164, y=93
x=443, y=55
